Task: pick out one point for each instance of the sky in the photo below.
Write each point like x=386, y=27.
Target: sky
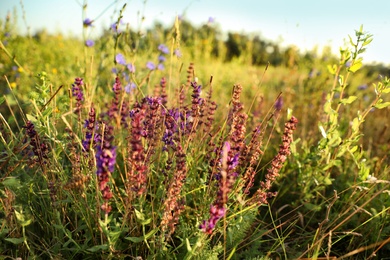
x=303, y=23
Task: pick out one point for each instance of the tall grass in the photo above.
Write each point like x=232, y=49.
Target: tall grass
x=117, y=151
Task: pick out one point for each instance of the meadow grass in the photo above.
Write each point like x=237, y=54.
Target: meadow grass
x=151, y=147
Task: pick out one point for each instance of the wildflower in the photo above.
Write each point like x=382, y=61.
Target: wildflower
x=163, y=85
x=114, y=26
x=363, y=87
x=119, y=58
x=348, y=64
x=89, y=43
x=105, y=164
x=226, y=179
x=160, y=66
x=39, y=147
x=173, y=206
x=114, y=70
x=7, y=34
x=131, y=67
x=90, y=126
x=137, y=174
x=150, y=65
x=129, y=87
x=13, y=84
x=177, y=52
x=279, y=103
x=263, y=193
x=163, y=48
x=87, y=22
x=161, y=58
x=211, y=20
x=78, y=93
x=114, y=107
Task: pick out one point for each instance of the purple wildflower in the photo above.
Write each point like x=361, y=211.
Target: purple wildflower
x=87, y=22
x=131, y=67
x=78, y=93
x=105, y=163
x=161, y=58
x=226, y=179
x=150, y=65
x=129, y=87
x=114, y=70
x=211, y=20
x=348, y=64
x=89, y=43
x=177, y=52
x=90, y=126
x=115, y=26
x=119, y=58
x=363, y=87
x=7, y=34
x=279, y=103
x=163, y=48
x=160, y=66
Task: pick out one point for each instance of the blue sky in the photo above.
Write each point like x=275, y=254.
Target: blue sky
x=304, y=23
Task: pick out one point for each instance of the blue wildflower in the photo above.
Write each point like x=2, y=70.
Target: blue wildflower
x=129, y=87
x=160, y=66
x=150, y=65
x=279, y=103
x=177, y=52
x=89, y=43
x=120, y=59
x=87, y=22
x=131, y=67
x=163, y=48
x=161, y=58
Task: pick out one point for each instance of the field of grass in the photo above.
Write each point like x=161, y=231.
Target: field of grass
x=176, y=144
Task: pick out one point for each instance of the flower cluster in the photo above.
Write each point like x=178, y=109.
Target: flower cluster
x=277, y=163
x=78, y=93
x=114, y=108
x=39, y=148
x=137, y=174
x=161, y=58
x=226, y=179
x=173, y=205
x=90, y=127
x=121, y=60
x=105, y=163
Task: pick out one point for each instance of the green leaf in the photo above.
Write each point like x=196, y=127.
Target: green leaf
x=332, y=69
x=143, y=238
x=139, y=215
x=31, y=118
x=47, y=112
x=348, y=100
x=356, y=66
x=386, y=90
x=367, y=42
x=2, y=99
x=11, y=182
x=312, y=207
x=382, y=105
x=15, y=241
x=355, y=124
x=98, y=248
x=22, y=219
